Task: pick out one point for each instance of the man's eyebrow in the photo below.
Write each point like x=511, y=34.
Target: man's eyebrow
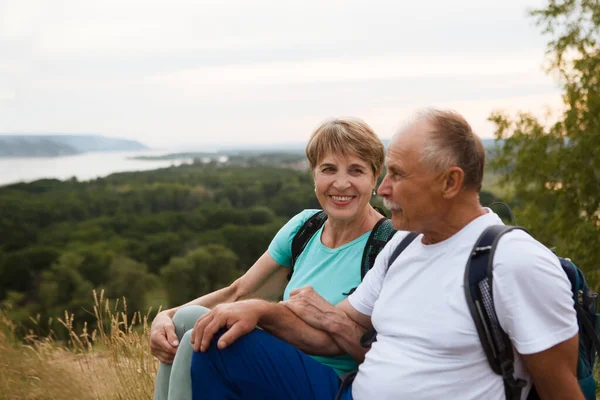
x=395, y=169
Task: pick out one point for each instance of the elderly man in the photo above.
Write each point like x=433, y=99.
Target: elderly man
x=427, y=345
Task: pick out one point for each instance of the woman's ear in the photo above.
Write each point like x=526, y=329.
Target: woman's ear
x=376, y=176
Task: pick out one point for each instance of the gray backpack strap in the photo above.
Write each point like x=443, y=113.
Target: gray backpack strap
x=401, y=247
x=478, y=292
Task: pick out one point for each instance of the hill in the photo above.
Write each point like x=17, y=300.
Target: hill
x=62, y=145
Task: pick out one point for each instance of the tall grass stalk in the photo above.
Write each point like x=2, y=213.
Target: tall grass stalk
x=113, y=361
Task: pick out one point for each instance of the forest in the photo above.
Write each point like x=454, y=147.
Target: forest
x=157, y=238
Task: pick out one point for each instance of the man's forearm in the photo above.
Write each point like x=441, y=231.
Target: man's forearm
x=345, y=333
x=284, y=324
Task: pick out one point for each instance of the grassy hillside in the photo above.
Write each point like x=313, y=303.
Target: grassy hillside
x=111, y=362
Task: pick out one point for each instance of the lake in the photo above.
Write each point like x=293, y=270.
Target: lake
x=82, y=166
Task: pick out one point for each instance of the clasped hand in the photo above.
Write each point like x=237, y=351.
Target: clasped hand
x=310, y=307
x=242, y=317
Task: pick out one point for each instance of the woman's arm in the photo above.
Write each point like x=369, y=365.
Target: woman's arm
x=265, y=279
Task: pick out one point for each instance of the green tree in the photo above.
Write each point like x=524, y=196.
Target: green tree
x=64, y=288
x=131, y=280
x=20, y=271
x=260, y=215
x=555, y=170
x=203, y=270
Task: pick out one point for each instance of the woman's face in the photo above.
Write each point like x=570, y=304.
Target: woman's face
x=344, y=185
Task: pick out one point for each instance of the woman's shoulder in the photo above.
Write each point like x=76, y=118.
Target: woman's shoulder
x=304, y=215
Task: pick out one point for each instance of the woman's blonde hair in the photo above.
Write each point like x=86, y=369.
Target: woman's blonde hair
x=348, y=137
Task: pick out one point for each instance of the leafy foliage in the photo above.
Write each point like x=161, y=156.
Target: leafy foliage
x=201, y=225
x=554, y=171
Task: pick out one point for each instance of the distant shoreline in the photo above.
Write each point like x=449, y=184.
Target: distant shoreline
x=44, y=146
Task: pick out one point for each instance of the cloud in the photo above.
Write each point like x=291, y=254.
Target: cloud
x=261, y=70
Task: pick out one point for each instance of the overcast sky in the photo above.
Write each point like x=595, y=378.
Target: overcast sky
x=182, y=73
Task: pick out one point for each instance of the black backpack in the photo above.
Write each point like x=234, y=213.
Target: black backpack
x=495, y=342
x=382, y=232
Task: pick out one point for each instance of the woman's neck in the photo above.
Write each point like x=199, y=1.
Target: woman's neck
x=337, y=233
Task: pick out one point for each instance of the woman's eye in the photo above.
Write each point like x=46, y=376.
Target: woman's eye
x=356, y=171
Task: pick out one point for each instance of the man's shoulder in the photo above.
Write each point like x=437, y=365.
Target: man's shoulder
x=518, y=252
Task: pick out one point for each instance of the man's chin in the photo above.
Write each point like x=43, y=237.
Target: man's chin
x=398, y=221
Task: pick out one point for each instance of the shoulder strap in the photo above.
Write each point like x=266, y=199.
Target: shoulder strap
x=380, y=235
x=408, y=239
x=370, y=336
x=306, y=231
x=478, y=292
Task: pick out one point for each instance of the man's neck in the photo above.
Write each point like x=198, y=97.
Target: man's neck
x=454, y=219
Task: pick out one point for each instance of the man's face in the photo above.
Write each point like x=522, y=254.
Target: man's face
x=411, y=191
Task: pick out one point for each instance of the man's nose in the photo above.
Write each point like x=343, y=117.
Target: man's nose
x=385, y=187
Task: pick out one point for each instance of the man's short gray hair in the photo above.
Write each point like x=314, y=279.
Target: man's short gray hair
x=451, y=142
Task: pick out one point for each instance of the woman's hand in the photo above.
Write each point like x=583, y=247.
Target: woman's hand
x=163, y=340
x=239, y=318
x=310, y=307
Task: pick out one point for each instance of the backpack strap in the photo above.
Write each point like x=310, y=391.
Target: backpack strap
x=306, y=231
x=408, y=239
x=478, y=292
x=370, y=336
x=381, y=234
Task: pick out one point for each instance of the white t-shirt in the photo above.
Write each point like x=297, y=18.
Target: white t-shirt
x=427, y=345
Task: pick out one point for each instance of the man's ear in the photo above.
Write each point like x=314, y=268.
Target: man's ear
x=453, y=182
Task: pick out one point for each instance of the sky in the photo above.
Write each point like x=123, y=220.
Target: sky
x=191, y=73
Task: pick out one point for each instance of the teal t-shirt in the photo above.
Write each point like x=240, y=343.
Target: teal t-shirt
x=331, y=272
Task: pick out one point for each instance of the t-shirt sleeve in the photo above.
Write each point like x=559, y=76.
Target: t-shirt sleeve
x=366, y=294
x=280, y=248
x=532, y=294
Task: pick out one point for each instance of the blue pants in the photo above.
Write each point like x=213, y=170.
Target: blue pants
x=261, y=366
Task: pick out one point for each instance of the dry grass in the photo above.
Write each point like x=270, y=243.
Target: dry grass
x=112, y=362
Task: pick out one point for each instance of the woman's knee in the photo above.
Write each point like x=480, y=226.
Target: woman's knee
x=185, y=318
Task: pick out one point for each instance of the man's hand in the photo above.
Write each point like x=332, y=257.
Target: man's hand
x=239, y=318
x=163, y=340
x=310, y=307
x=342, y=323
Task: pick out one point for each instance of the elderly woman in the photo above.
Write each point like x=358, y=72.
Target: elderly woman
x=346, y=157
